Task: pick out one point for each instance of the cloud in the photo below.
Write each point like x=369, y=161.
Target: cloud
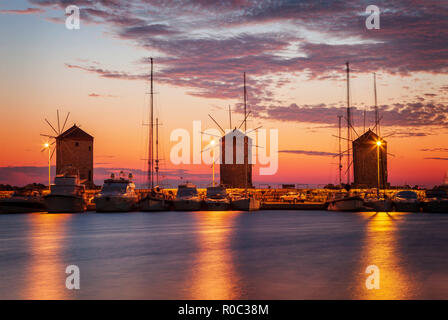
x=23, y=11
x=310, y=153
x=205, y=46
x=436, y=158
x=107, y=73
x=96, y=95
x=404, y=115
x=435, y=150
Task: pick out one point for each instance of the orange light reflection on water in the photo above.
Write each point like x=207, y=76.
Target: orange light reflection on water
x=214, y=275
x=380, y=249
x=46, y=270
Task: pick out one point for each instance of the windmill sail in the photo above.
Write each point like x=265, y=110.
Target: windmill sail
x=57, y=132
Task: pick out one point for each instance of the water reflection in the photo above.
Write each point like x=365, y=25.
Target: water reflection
x=214, y=275
x=46, y=271
x=381, y=249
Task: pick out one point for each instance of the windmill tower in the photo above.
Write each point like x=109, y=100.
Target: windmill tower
x=74, y=150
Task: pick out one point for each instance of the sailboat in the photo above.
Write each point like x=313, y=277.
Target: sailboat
x=155, y=200
x=344, y=201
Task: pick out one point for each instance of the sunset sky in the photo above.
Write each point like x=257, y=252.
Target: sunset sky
x=293, y=52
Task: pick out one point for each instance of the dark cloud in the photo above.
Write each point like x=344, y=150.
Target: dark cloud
x=436, y=158
x=23, y=11
x=310, y=153
x=96, y=95
x=405, y=115
x=205, y=46
x=435, y=150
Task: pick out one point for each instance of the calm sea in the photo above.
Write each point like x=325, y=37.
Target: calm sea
x=224, y=255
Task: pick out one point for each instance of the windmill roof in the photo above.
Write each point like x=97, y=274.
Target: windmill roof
x=75, y=132
x=236, y=133
x=369, y=135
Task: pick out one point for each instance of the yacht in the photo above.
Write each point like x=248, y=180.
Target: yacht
x=406, y=201
x=378, y=202
x=66, y=195
x=241, y=202
x=344, y=202
x=154, y=201
x=217, y=199
x=436, y=201
x=379, y=205
x=22, y=202
x=187, y=198
x=117, y=195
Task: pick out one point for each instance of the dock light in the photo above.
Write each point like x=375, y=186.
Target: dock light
x=47, y=146
x=378, y=143
x=213, y=142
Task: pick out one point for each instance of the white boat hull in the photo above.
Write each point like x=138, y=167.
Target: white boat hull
x=435, y=206
x=406, y=206
x=348, y=204
x=380, y=205
x=64, y=204
x=246, y=204
x=211, y=205
x=153, y=205
x=187, y=205
x=14, y=205
x=115, y=204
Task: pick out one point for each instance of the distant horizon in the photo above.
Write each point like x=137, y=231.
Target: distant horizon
x=294, y=57
x=139, y=178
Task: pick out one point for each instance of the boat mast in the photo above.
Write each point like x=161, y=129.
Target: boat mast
x=151, y=133
x=377, y=120
x=230, y=118
x=348, y=122
x=245, y=138
x=157, y=151
x=340, y=151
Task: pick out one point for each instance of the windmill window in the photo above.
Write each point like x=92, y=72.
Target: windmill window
x=76, y=144
x=90, y=148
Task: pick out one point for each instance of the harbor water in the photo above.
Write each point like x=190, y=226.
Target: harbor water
x=224, y=255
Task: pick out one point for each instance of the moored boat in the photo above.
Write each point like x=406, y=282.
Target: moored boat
x=217, y=199
x=379, y=205
x=406, y=201
x=66, y=195
x=344, y=202
x=241, y=202
x=187, y=198
x=22, y=202
x=117, y=195
x=436, y=201
x=154, y=201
